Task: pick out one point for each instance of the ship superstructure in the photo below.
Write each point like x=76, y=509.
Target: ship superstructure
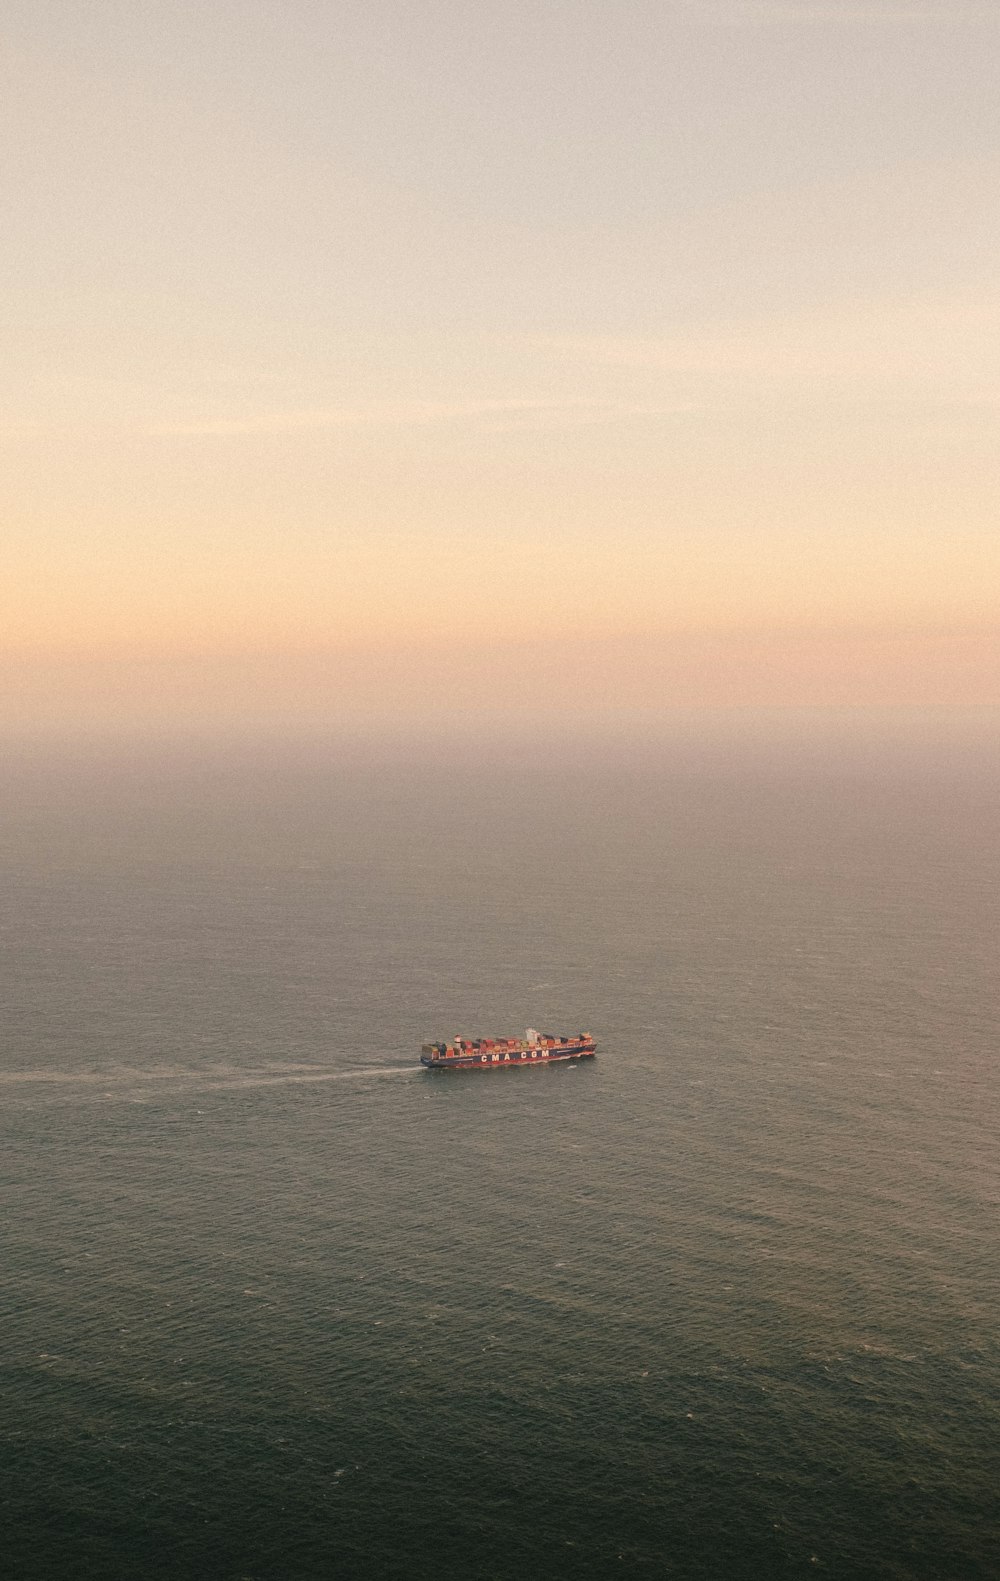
x=535, y=1048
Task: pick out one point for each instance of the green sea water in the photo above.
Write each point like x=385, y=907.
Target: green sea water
x=721, y=1303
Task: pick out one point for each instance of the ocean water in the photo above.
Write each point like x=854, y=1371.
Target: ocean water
x=721, y=1303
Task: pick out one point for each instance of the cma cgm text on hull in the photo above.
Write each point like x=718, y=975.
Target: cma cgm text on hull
x=535, y=1048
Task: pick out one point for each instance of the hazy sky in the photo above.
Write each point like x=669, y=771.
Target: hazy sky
x=418, y=353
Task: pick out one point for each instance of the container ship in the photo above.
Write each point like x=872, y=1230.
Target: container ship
x=535, y=1048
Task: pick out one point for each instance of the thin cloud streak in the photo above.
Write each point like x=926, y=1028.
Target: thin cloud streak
x=558, y=414
x=929, y=348
x=744, y=12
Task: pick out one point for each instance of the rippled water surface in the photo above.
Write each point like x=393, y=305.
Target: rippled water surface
x=721, y=1303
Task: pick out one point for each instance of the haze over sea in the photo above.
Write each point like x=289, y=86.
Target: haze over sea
x=720, y=1303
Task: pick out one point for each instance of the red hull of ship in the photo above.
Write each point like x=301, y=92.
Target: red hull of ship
x=498, y=1057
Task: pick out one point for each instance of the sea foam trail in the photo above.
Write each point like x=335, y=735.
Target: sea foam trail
x=215, y=1080
x=333, y=1075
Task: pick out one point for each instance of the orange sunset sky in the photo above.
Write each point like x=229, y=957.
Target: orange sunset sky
x=396, y=358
